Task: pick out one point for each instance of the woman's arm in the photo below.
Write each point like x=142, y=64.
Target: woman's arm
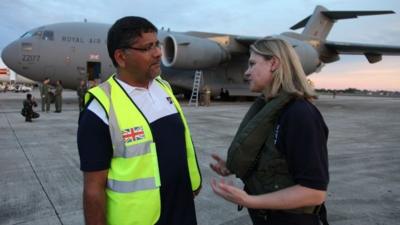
x=289, y=198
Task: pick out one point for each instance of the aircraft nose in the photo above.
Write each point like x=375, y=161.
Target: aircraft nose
x=10, y=54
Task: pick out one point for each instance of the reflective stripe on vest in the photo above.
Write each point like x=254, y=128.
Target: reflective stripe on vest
x=134, y=150
x=131, y=186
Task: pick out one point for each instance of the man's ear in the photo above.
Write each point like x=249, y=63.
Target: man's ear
x=275, y=63
x=119, y=56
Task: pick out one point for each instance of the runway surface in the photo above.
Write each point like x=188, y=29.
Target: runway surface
x=40, y=180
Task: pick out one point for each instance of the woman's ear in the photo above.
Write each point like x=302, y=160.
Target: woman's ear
x=275, y=63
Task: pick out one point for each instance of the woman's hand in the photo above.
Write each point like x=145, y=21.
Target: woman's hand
x=230, y=192
x=220, y=166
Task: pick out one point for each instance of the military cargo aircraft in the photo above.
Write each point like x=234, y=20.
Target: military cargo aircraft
x=77, y=51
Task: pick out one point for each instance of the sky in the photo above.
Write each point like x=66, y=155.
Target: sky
x=241, y=17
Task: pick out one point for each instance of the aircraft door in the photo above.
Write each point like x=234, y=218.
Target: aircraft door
x=93, y=70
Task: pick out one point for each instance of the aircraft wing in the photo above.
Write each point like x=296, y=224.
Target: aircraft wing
x=355, y=48
x=372, y=52
x=246, y=40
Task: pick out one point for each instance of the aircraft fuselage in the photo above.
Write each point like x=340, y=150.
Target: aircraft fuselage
x=71, y=52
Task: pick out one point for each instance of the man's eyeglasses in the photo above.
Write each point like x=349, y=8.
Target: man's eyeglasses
x=150, y=47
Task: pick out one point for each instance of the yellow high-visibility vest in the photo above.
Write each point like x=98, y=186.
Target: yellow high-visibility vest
x=133, y=182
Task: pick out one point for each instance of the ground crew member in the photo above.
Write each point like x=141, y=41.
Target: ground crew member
x=207, y=96
x=44, y=94
x=58, y=96
x=81, y=91
x=27, y=110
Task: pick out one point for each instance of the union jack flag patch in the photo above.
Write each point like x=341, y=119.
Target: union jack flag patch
x=133, y=134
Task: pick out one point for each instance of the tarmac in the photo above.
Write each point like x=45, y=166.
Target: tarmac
x=40, y=180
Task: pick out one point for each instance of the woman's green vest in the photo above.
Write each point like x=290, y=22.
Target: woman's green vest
x=133, y=183
x=253, y=156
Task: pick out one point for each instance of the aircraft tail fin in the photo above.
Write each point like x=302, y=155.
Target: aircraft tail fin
x=321, y=21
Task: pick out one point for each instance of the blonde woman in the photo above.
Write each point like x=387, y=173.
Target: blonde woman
x=280, y=148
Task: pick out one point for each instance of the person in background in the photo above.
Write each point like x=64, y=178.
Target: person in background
x=27, y=110
x=44, y=94
x=92, y=84
x=280, y=148
x=58, y=96
x=81, y=91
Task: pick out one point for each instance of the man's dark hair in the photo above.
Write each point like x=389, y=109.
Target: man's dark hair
x=124, y=32
x=28, y=96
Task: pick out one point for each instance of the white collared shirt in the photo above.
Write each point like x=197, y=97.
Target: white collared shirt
x=153, y=102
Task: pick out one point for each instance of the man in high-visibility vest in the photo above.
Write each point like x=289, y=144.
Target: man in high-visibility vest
x=134, y=143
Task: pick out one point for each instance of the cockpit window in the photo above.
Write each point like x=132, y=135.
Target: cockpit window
x=37, y=33
x=40, y=34
x=27, y=34
x=48, y=35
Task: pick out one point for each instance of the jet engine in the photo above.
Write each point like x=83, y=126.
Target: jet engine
x=308, y=55
x=187, y=52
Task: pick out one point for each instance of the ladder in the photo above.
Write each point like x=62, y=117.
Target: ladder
x=194, y=98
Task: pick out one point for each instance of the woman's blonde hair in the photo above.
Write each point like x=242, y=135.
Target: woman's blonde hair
x=289, y=76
